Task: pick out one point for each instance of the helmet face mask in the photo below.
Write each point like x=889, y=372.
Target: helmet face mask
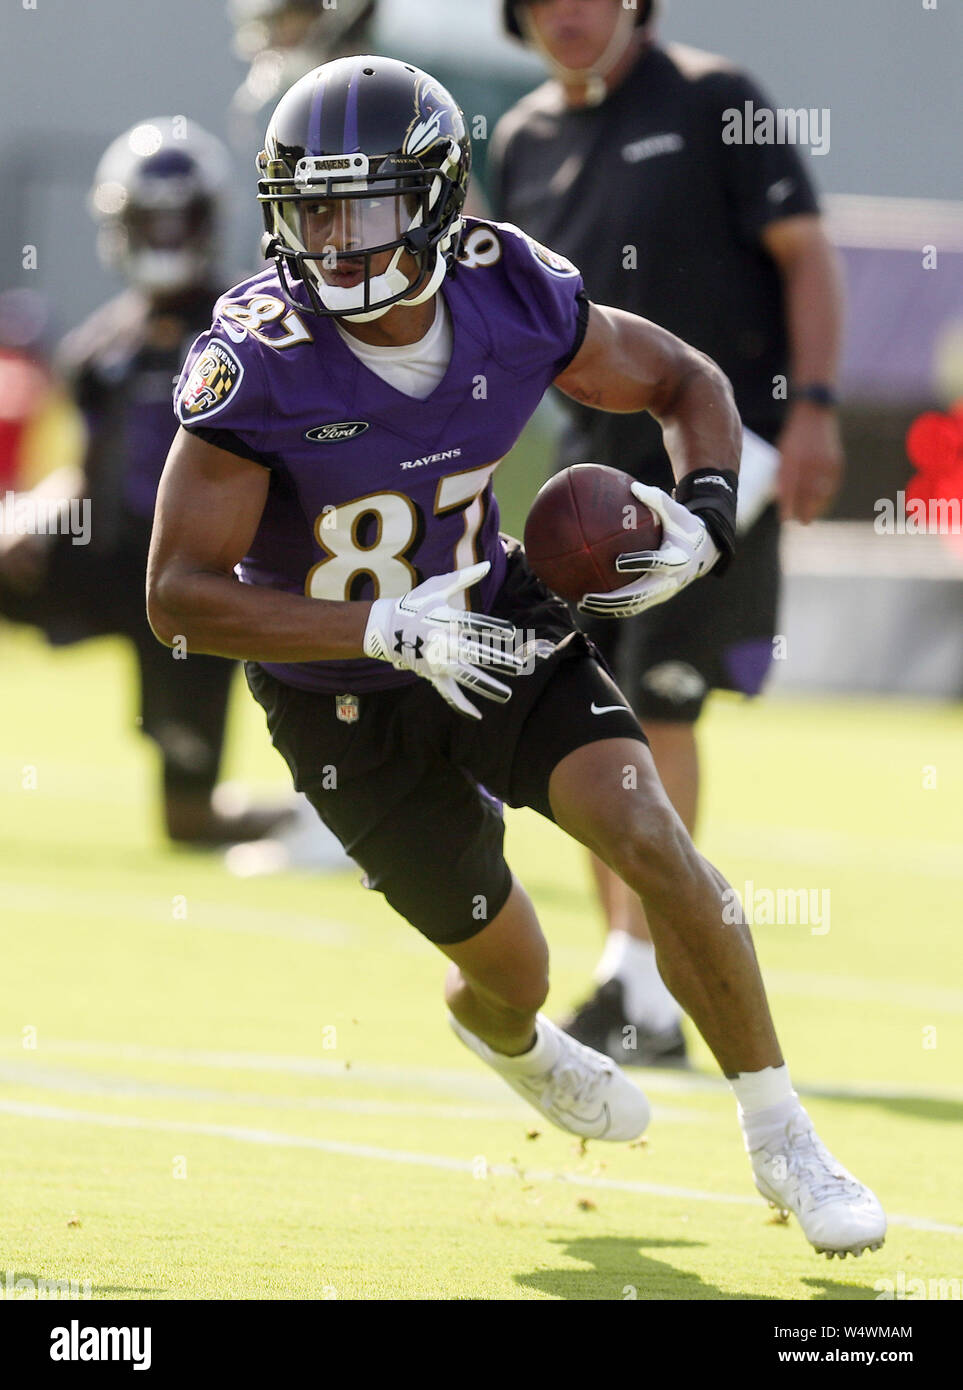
x=364, y=208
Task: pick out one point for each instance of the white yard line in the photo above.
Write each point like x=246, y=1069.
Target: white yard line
x=25, y=1110
x=449, y=1081
x=201, y=914
x=87, y=1083
x=836, y=848
x=96, y=1084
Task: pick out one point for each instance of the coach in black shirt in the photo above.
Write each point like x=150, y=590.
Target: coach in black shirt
x=638, y=163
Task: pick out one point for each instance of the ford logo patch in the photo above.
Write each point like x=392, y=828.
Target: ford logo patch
x=334, y=434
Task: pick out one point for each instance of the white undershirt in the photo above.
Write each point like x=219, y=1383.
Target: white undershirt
x=416, y=368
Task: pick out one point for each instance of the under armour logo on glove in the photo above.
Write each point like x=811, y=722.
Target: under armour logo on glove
x=449, y=647
x=400, y=645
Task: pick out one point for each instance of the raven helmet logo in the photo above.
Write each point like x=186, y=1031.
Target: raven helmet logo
x=211, y=381
x=433, y=118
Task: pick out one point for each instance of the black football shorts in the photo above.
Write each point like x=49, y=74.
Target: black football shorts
x=717, y=634
x=412, y=789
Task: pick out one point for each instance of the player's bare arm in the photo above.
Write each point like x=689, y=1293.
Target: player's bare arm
x=628, y=364
x=208, y=510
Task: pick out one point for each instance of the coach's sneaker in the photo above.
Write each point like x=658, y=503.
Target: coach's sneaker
x=795, y=1172
x=304, y=843
x=602, y=1023
x=573, y=1086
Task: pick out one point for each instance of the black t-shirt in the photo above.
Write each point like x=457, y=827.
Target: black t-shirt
x=663, y=219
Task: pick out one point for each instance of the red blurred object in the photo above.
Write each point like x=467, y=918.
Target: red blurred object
x=934, y=446
x=24, y=387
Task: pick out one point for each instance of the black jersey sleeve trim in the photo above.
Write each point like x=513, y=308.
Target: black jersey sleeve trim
x=581, y=328
x=227, y=439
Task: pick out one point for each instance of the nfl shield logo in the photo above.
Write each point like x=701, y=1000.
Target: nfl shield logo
x=346, y=707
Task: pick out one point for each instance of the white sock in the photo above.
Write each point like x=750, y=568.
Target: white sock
x=632, y=963
x=767, y=1102
x=539, y=1058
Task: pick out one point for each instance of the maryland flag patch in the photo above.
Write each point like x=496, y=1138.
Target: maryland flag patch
x=557, y=264
x=213, y=377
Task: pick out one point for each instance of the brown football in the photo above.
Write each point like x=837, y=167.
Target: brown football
x=580, y=522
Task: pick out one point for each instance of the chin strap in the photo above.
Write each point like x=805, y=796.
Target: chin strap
x=593, y=78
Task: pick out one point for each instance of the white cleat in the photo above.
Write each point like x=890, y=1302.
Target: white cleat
x=797, y=1173
x=572, y=1085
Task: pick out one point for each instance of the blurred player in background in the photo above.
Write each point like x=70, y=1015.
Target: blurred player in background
x=618, y=161
x=281, y=40
x=156, y=199
x=284, y=39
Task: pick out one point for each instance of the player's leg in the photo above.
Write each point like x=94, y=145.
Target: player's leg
x=631, y=1015
x=676, y=756
x=599, y=782
x=184, y=705
x=608, y=795
x=432, y=843
x=495, y=986
x=498, y=980
x=716, y=636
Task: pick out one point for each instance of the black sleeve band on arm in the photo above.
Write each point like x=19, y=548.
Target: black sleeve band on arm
x=581, y=328
x=227, y=439
x=710, y=493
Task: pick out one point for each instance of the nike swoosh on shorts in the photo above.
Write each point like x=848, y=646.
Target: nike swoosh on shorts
x=604, y=709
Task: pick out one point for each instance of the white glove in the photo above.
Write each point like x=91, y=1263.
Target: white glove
x=687, y=551
x=420, y=633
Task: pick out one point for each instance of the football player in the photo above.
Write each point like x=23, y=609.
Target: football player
x=327, y=514
x=156, y=199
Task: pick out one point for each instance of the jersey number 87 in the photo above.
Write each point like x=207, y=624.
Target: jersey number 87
x=392, y=525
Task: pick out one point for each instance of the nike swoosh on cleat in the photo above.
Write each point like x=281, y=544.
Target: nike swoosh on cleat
x=604, y=709
x=560, y=1116
x=603, y=1119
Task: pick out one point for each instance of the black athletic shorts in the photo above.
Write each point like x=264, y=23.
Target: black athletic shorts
x=86, y=592
x=716, y=634
x=411, y=788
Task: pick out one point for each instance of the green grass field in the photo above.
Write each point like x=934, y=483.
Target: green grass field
x=218, y=1089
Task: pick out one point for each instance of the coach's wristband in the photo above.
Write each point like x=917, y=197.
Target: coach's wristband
x=816, y=393
x=710, y=494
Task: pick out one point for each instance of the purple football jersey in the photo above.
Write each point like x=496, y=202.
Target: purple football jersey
x=372, y=491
